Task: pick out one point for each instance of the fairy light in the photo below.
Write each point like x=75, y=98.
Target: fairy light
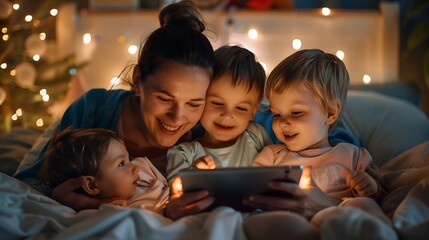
x=43, y=92
x=18, y=112
x=326, y=11
x=340, y=54
x=132, y=49
x=45, y=97
x=252, y=33
x=13, y=72
x=54, y=12
x=14, y=117
x=296, y=44
x=28, y=18
x=39, y=122
x=366, y=79
x=5, y=37
x=86, y=38
x=4, y=30
x=36, y=57
x=15, y=6
x=3, y=65
x=115, y=81
x=42, y=36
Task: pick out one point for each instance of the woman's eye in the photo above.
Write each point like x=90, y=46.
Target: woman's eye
x=165, y=99
x=194, y=105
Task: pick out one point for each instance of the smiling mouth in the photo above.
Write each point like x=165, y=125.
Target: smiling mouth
x=168, y=128
x=223, y=126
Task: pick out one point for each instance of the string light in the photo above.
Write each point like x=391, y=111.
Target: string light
x=43, y=92
x=3, y=65
x=42, y=36
x=4, y=30
x=326, y=11
x=39, y=122
x=366, y=79
x=15, y=6
x=5, y=37
x=28, y=18
x=36, y=57
x=45, y=97
x=14, y=117
x=340, y=54
x=296, y=44
x=86, y=38
x=115, y=81
x=54, y=12
x=13, y=72
x=132, y=49
x=252, y=33
x=18, y=112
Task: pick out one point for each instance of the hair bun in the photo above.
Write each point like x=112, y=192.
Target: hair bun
x=183, y=13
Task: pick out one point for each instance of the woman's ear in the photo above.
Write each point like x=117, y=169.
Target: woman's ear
x=136, y=80
x=90, y=185
x=334, y=112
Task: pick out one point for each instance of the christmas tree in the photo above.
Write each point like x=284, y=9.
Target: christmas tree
x=32, y=78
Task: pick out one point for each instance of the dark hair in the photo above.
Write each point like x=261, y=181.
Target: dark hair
x=75, y=152
x=179, y=38
x=323, y=74
x=242, y=65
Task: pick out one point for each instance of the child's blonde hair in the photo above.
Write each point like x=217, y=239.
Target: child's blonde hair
x=323, y=74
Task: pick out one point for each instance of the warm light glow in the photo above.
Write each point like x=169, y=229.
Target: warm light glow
x=42, y=36
x=264, y=65
x=87, y=38
x=36, y=57
x=45, y=97
x=5, y=37
x=326, y=11
x=15, y=6
x=132, y=49
x=18, y=112
x=13, y=72
x=39, y=122
x=176, y=187
x=115, y=81
x=4, y=30
x=305, y=181
x=340, y=54
x=43, y=92
x=296, y=44
x=3, y=65
x=14, y=117
x=252, y=33
x=54, y=12
x=28, y=18
x=366, y=79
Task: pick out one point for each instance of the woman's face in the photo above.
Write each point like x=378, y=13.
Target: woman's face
x=172, y=101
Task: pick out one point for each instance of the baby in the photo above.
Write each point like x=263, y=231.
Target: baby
x=99, y=157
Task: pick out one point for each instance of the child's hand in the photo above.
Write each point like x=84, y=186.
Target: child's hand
x=204, y=162
x=361, y=182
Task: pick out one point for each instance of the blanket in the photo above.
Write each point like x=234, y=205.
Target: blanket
x=25, y=212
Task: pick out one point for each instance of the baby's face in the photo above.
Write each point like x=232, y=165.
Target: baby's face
x=228, y=111
x=118, y=176
x=299, y=122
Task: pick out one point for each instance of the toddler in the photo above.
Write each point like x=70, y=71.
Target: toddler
x=307, y=92
x=233, y=98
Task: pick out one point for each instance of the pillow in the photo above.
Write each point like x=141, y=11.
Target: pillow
x=386, y=126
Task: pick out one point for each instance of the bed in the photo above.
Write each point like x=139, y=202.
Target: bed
x=395, y=131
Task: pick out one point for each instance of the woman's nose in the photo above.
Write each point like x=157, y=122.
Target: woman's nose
x=176, y=113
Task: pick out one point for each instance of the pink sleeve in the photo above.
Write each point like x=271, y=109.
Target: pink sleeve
x=264, y=158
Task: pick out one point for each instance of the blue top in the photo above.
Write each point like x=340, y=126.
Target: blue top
x=103, y=108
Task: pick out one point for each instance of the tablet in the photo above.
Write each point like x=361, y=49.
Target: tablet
x=230, y=185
